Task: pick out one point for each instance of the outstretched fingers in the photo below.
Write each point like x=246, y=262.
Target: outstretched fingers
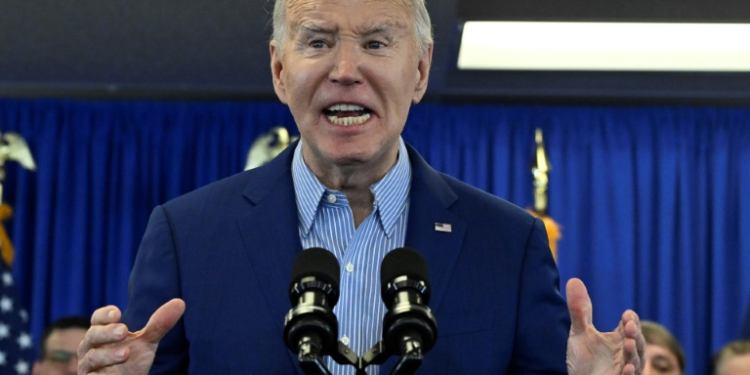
x=579, y=306
x=640, y=342
x=633, y=343
x=108, y=343
x=106, y=315
x=105, y=329
x=97, y=349
x=617, y=353
x=99, y=358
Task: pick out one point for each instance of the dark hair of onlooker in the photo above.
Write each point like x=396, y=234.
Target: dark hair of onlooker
x=657, y=334
x=60, y=324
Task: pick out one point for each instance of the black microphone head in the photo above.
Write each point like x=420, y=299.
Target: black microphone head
x=402, y=262
x=313, y=291
x=405, y=289
x=318, y=263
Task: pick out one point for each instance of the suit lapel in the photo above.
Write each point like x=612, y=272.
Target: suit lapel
x=430, y=198
x=271, y=237
x=270, y=233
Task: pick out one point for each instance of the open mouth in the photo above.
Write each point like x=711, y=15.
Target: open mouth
x=347, y=114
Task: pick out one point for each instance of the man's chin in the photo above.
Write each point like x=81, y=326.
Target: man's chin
x=350, y=160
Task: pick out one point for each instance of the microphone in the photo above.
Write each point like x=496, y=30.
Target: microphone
x=310, y=327
x=409, y=324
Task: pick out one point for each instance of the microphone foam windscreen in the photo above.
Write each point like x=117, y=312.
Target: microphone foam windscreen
x=403, y=262
x=319, y=263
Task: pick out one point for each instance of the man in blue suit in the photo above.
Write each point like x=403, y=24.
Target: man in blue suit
x=220, y=257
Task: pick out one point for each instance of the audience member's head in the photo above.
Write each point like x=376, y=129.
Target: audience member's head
x=664, y=354
x=59, y=346
x=733, y=359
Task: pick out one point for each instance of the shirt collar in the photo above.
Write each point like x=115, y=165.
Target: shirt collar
x=391, y=192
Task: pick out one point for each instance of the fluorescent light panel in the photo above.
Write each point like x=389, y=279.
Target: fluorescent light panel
x=605, y=46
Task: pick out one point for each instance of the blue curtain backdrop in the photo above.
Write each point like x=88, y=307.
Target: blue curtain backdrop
x=654, y=202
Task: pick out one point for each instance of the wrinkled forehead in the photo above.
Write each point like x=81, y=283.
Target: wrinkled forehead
x=363, y=14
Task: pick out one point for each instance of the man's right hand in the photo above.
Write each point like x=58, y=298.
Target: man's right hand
x=109, y=347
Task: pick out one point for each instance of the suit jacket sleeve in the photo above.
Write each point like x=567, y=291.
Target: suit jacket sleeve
x=154, y=280
x=542, y=318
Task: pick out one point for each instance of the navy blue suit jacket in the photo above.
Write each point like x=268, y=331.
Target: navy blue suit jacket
x=227, y=249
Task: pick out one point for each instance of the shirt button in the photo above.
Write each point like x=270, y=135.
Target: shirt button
x=331, y=198
x=345, y=340
x=349, y=267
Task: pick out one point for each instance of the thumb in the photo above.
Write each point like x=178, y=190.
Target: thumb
x=163, y=319
x=579, y=306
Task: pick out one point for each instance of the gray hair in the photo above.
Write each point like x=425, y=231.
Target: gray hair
x=420, y=20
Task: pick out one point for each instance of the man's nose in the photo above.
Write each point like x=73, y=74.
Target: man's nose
x=347, y=62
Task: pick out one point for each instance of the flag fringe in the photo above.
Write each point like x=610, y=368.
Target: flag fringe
x=6, y=247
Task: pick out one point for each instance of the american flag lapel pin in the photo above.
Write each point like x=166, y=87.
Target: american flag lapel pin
x=443, y=227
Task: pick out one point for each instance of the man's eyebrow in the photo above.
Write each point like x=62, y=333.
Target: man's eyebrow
x=314, y=28
x=380, y=28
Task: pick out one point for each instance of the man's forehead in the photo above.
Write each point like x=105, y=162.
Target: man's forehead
x=367, y=27
x=318, y=12
x=312, y=4
x=62, y=336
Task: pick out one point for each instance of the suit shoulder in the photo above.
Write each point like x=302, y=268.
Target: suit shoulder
x=255, y=183
x=221, y=194
x=474, y=202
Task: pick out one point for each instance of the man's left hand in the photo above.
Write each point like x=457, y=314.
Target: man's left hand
x=591, y=352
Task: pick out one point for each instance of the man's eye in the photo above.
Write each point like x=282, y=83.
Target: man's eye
x=663, y=369
x=60, y=356
x=375, y=45
x=317, y=44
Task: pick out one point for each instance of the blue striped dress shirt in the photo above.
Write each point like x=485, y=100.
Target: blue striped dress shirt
x=325, y=220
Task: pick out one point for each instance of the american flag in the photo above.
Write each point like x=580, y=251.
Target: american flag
x=443, y=227
x=16, y=349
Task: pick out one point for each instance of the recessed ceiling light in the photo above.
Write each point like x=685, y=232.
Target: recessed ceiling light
x=609, y=46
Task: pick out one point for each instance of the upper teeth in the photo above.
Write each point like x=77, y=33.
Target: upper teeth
x=345, y=107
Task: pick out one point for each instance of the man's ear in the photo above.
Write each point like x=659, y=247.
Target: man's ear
x=277, y=66
x=423, y=75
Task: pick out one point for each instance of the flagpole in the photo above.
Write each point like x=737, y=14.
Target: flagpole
x=540, y=169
